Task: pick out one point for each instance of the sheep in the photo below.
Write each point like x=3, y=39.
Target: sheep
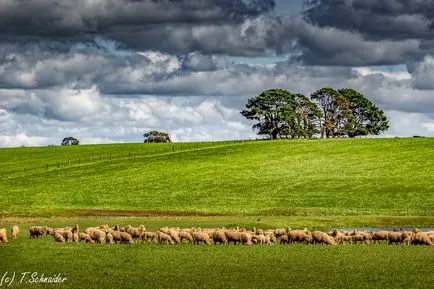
x=149, y=236
x=299, y=236
x=319, y=237
x=36, y=231
x=279, y=232
x=201, y=237
x=174, y=234
x=164, y=238
x=246, y=238
x=3, y=236
x=66, y=233
x=421, y=238
x=48, y=230
x=183, y=235
x=233, y=236
x=15, y=231
x=380, y=236
x=340, y=237
x=109, y=238
x=85, y=237
x=58, y=237
x=75, y=229
x=97, y=235
x=359, y=237
x=269, y=239
x=219, y=237
x=258, y=239
x=397, y=237
x=284, y=239
x=136, y=233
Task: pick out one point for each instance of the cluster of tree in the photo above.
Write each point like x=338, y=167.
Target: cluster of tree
x=328, y=113
x=156, y=136
x=69, y=141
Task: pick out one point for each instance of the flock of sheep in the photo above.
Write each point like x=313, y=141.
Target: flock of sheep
x=174, y=235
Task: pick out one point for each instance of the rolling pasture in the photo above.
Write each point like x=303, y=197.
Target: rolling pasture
x=295, y=177
x=318, y=184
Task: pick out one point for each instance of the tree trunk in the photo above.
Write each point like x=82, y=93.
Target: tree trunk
x=274, y=134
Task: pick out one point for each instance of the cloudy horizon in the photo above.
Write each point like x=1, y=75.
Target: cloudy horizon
x=107, y=71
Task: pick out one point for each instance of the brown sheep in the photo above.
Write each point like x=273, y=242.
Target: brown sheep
x=397, y=237
x=97, y=235
x=284, y=239
x=201, y=237
x=219, y=237
x=85, y=237
x=164, y=238
x=174, y=234
x=3, y=236
x=302, y=236
x=58, y=237
x=319, y=237
x=136, y=233
x=421, y=238
x=246, y=238
x=150, y=237
x=269, y=239
x=15, y=231
x=380, y=236
x=340, y=237
x=66, y=233
x=185, y=236
x=109, y=238
x=36, y=231
x=233, y=236
x=258, y=239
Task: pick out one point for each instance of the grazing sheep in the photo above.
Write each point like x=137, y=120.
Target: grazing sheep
x=201, y=237
x=397, y=237
x=36, y=231
x=380, y=236
x=58, y=237
x=421, y=238
x=150, y=237
x=246, y=238
x=85, y=237
x=164, y=238
x=75, y=229
x=219, y=237
x=48, y=230
x=3, y=236
x=269, y=239
x=183, y=235
x=66, y=233
x=15, y=231
x=340, y=237
x=233, y=236
x=75, y=237
x=109, y=238
x=360, y=238
x=279, y=232
x=136, y=233
x=174, y=234
x=319, y=237
x=284, y=239
x=301, y=236
x=97, y=235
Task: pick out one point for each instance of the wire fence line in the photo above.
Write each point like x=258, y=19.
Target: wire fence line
x=110, y=156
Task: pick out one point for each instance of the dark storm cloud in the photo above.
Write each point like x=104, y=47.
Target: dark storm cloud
x=375, y=19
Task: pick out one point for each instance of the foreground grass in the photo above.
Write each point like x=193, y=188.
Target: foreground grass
x=300, y=177
x=189, y=266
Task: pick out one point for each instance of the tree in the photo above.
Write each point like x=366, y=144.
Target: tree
x=367, y=118
x=336, y=114
x=283, y=114
x=273, y=109
x=69, y=141
x=156, y=136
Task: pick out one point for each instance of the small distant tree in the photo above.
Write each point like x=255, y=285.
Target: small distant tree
x=69, y=141
x=156, y=136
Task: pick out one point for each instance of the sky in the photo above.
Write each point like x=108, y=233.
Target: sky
x=107, y=71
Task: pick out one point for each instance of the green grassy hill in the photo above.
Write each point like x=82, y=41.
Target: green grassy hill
x=294, y=177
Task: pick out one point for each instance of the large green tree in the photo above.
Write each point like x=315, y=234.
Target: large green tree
x=336, y=113
x=282, y=114
x=367, y=118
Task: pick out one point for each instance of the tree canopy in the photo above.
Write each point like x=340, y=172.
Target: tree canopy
x=282, y=114
x=69, y=141
x=328, y=112
x=156, y=137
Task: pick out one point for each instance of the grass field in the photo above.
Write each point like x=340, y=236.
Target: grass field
x=190, y=266
x=294, y=177
x=319, y=184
